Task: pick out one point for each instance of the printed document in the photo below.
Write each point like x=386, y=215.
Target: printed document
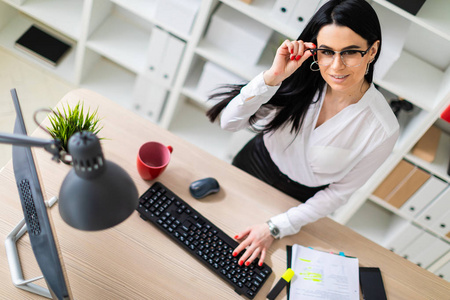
x=322, y=275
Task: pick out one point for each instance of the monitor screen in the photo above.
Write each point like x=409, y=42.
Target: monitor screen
x=42, y=237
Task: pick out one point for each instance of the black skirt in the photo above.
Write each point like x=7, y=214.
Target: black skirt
x=255, y=160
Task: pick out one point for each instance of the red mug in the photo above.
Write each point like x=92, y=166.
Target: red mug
x=152, y=159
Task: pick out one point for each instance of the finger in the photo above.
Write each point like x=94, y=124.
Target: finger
x=262, y=257
x=295, y=48
x=286, y=48
x=254, y=256
x=310, y=45
x=242, y=234
x=301, y=49
x=241, y=247
x=248, y=253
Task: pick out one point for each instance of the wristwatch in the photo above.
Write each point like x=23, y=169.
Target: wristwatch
x=274, y=231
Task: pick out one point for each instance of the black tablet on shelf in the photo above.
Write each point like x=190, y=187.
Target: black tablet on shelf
x=42, y=45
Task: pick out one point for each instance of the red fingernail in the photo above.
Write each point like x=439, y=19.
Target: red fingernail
x=292, y=57
x=234, y=253
x=298, y=57
x=292, y=51
x=247, y=263
x=260, y=264
x=314, y=45
x=241, y=262
x=236, y=236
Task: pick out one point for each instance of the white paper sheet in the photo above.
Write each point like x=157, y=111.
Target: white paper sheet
x=322, y=275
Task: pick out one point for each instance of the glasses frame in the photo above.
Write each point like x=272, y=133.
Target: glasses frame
x=314, y=53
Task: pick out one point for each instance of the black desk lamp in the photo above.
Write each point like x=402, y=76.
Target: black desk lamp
x=96, y=194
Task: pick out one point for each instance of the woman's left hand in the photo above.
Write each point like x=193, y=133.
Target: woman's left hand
x=257, y=239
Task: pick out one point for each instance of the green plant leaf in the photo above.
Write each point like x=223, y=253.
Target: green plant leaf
x=63, y=124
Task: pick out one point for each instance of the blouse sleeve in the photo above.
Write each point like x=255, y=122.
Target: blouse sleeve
x=336, y=194
x=236, y=114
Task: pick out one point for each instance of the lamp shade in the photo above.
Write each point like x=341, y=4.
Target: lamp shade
x=97, y=193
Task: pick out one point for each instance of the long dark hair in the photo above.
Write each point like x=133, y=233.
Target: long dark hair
x=297, y=91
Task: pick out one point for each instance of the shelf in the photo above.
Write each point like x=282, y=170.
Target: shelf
x=440, y=164
x=190, y=88
x=62, y=15
x=111, y=81
x=143, y=8
x=389, y=207
x=433, y=16
x=419, y=84
x=15, y=28
x=410, y=124
x=372, y=221
x=260, y=10
x=228, y=61
x=146, y=9
x=122, y=42
x=192, y=125
x=398, y=214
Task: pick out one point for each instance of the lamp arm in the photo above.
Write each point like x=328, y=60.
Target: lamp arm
x=50, y=145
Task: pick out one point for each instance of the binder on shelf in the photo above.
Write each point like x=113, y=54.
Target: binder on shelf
x=432, y=252
x=444, y=271
x=437, y=208
x=164, y=56
x=398, y=174
x=303, y=11
x=442, y=225
x=400, y=238
x=426, y=147
x=282, y=10
x=426, y=193
x=156, y=49
x=417, y=245
x=148, y=97
x=415, y=179
x=171, y=60
x=237, y=34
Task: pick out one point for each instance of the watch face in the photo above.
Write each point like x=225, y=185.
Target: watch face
x=276, y=231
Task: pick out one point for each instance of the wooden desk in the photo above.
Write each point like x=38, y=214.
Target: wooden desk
x=135, y=261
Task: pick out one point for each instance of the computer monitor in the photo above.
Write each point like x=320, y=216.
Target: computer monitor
x=42, y=237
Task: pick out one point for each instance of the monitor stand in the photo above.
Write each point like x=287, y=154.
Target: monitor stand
x=14, y=261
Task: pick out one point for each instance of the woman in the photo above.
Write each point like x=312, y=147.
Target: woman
x=324, y=126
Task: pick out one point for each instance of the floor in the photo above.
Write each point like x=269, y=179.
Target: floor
x=36, y=88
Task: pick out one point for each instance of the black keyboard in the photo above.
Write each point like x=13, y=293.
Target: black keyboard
x=201, y=238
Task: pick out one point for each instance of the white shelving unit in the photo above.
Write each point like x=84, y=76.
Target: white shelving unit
x=110, y=40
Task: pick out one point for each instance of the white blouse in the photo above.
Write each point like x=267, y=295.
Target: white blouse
x=344, y=151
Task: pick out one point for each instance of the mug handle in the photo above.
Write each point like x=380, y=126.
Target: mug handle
x=170, y=148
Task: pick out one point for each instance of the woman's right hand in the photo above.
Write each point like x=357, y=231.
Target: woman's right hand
x=289, y=57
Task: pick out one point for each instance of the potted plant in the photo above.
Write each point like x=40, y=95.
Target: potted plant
x=71, y=120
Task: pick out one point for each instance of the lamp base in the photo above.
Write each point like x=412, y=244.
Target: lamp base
x=14, y=261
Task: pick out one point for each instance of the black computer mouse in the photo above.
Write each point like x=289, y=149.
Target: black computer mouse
x=204, y=187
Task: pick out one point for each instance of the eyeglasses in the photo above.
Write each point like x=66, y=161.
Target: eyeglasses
x=350, y=58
